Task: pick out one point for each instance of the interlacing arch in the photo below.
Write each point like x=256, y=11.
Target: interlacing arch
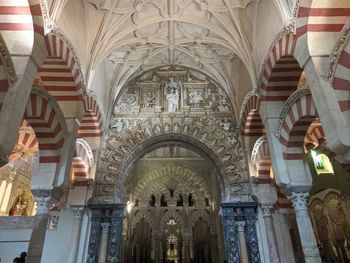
x=281, y=71
x=44, y=116
x=121, y=149
x=250, y=120
x=296, y=117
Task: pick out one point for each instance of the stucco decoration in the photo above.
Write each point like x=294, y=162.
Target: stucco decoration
x=148, y=123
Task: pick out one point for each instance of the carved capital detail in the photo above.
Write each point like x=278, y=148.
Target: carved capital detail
x=299, y=200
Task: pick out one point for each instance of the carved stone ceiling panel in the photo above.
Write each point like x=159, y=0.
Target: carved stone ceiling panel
x=142, y=34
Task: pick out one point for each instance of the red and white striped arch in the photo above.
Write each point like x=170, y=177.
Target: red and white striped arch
x=283, y=203
x=20, y=23
x=341, y=76
x=60, y=75
x=49, y=128
x=314, y=133
x=82, y=162
x=91, y=125
x=320, y=21
x=26, y=143
x=251, y=123
x=281, y=73
x=299, y=113
x=261, y=158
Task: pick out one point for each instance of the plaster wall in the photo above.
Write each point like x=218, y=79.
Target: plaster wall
x=13, y=242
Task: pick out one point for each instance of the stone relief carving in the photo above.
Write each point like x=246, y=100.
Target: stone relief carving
x=172, y=91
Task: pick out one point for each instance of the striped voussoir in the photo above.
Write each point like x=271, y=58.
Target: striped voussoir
x=341, y=80
x=251, y=124
x=295, y=125
x=281, y=74
x=80, y=166
x=282, y=201
x=322, y=19
x=263, y=163
x=60, y=74
x=314, y=133
x=91, y=124
x=18, y=20
x=27, y=137
x=48, y=129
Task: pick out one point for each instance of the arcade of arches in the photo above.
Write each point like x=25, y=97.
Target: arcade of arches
x=175, y=131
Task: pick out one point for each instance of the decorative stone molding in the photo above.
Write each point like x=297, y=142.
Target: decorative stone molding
x=337, y=51
x=88, y=150
x=240, y=226
x=257, y=145
x=49, y=25
x=299, y=200
x=54, y=217
x=286, y=107
x=18, y=222
x=7, y=61
x=78, y=212
x=266, y=210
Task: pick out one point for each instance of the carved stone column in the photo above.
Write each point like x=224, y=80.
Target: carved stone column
x=115, y=237
x=307, y=235
x=270, y=232
x=230, y=233
x=240, y=212
x=102, y=252
x=43, y=198
x=75, y=234
x=242, y=242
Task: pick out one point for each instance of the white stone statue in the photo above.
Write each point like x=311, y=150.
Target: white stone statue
x=225, y=124
x=172, y=94
x=196, y=97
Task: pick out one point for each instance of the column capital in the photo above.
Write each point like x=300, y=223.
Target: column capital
x=43, y=199
x=266, y=209
x=78, y=211
x=105, y=227
x=299, y=200
x=240, y=226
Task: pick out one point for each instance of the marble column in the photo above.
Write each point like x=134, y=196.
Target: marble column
x=78, y=213
x=242, y=242
x=115, y=238
x=43, y=198
x=270, y=232
x=306, y=233
x=102, y=252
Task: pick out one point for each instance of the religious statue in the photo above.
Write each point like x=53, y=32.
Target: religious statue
x=20, y=208
x=172, y=94
x=196, y=97
x=225, y=124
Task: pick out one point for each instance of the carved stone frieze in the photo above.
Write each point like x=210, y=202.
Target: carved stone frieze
x=49, y=24
x=337, y=51
x=18, y=222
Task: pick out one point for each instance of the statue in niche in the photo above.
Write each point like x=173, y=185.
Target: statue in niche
x=118, y=125
x=196, y=97
x=19, y=208
x=223, y=106
x=149, y=99
x=172, y=90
